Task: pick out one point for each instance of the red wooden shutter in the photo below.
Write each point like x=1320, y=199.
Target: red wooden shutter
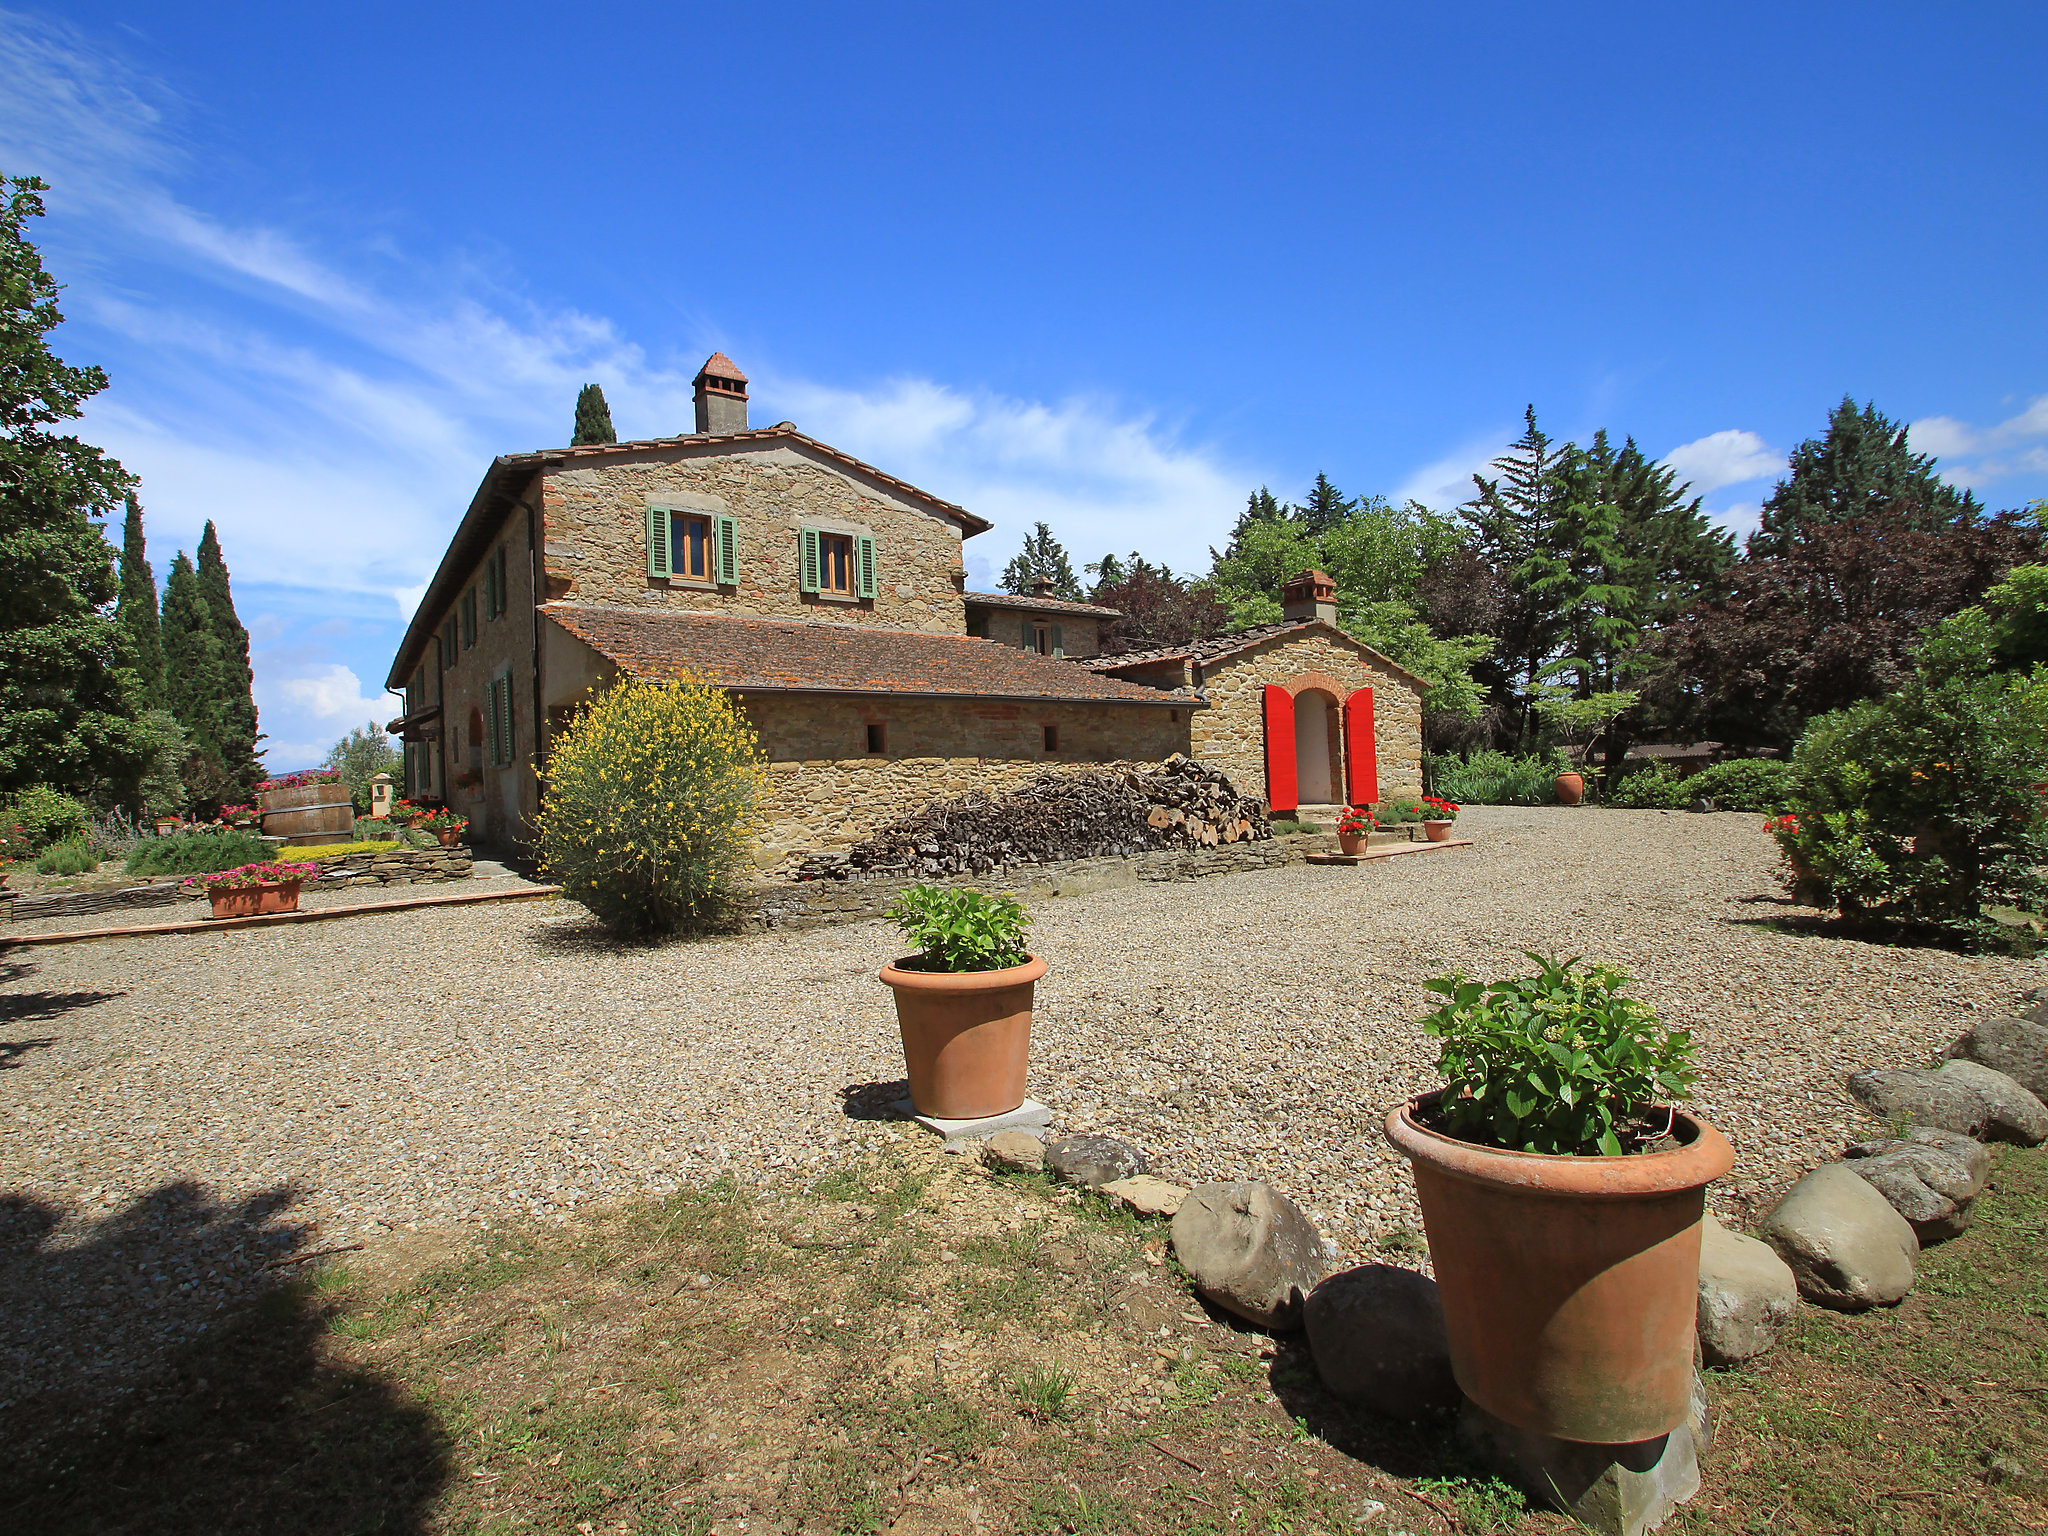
x=1361, y=751
x=1282, y=794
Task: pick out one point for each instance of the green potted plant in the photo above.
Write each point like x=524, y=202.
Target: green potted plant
x=1562, y=1195
x=963, y=1001
x=1438, y=818
x=254, y=889
x=1354, y=828
x=445, y=824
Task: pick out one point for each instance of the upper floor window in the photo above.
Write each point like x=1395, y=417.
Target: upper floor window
x=1044, y=637
x=835, y=564
x=692, y=546
x=468, y=617
x=496, y=599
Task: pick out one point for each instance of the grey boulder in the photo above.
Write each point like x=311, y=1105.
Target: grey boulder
x=1093, y=1161
x=1377, y=1334
x=1961, y=1096
x=1847, y=1247
x=2016, y=1047
x=1932, y=1177
x=1250, y=1250
x=1747, y=1296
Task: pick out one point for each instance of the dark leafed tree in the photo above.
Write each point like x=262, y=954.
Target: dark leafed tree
x=1156, y=608
x=193, y=664
x=1043, y=558
x=593, y=418
x=1862, y=464
x=68, y=704
x=237, y=684
x=1835, y=619
x=1325, y=508
x=137, y=609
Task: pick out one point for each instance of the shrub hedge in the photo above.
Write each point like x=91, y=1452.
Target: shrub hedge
x=1495, y=778
x=197, y=853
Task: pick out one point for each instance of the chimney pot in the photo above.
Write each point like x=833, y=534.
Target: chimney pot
x=721, y=395
x=1311, y=595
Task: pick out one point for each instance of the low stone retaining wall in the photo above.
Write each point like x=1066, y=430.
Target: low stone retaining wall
x=398, y=866
x=820, y=903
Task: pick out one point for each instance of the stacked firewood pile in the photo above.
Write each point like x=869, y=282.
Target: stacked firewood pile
x=1081, y=815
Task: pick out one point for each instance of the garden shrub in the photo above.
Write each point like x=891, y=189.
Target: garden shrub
x=71, y=856
x=1925, y=807
x=960, y=930
x=46, y=816
x=1495, y=778
x=651, y=795
x=1655, y=788
x=1744, y=784
x=197, y=853
x=321, y=851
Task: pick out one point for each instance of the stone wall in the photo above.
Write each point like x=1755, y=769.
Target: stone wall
x=595, y=535
x=821, y=903
x=1231, y=733
x=397, y=866
x=827, y=791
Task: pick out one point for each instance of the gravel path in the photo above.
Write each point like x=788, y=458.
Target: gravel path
x=313, y=1086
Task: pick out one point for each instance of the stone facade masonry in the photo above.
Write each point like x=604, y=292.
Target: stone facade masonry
x=595, y=535
x=1231, y=733
x=396, y=866
x=827, y=791
x=499, y=801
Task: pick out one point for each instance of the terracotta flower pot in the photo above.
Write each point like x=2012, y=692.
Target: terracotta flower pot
x=1571, y=788
x=1350, y=843
x=254, y=900
x=966, y=1037
x=448, y=836
x=1438, y=831
x=1570, y=1284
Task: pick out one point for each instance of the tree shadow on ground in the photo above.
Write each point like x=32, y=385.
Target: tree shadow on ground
x=36, y=1007
x=158, y=1374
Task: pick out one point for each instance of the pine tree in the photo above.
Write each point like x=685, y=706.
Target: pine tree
x=237, y=683
x=137, y=611
x=1262, y=506
x=593, y=418
x=1511, y=519
x=67, y=706
x=1861, y=465
x=1325, y=508
x=1043, y=558
x=192, y=663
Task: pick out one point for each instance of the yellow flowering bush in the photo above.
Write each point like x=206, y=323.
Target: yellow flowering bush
x=650, y=796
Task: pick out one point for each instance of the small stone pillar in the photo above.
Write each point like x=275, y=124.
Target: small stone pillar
x=380, y=794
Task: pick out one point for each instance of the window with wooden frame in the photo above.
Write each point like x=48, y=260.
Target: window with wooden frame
x=690, y=550
x=693, y=546
x=878, y=736
x=835, y=564
x=1045, y=637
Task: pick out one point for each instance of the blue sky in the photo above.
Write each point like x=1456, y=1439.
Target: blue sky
x=1109, y=266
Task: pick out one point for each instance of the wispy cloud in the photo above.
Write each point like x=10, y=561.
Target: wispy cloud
x=2017, y=445
x=1447, y=482
x=1728, y=457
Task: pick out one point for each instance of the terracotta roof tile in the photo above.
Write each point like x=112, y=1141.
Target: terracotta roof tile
x=800, y=656
x=1217, y=647
x=718, y=365
x=1028, y=604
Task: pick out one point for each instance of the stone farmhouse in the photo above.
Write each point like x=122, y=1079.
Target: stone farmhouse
x=830, y=598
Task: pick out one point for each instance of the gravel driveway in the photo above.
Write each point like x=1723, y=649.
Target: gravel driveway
x=317, y=1085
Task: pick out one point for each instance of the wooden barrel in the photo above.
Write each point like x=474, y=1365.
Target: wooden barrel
x=309, y=815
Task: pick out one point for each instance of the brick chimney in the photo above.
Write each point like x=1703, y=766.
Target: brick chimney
x=721, y=395
x=1311, y=595
x=1045, y=586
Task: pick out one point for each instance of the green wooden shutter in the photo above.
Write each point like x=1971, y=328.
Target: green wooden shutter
x=807, y=560
x=726, y=541
x=491, y=722
x=1059, y=644
x=505, y=721
x=864, y=559
x=657, y=541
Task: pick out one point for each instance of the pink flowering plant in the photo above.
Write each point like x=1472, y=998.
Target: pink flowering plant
x=247, y=875
x=302, y=779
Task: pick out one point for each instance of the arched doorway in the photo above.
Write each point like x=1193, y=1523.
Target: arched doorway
x=1315, y=747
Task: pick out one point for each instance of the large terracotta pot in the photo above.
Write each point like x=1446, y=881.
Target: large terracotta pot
x=254, y=900
x=1571, y=788
x=966, y=1037
x=1349, y=843
x=1570, y=1285
x=1438, y=831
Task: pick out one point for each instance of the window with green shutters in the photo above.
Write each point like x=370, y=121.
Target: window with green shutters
x=807, y=560
x=835, y=564
x=497, y=598
x=864, y=565
x=725, y=533
x=498, y=739
x=468, y=617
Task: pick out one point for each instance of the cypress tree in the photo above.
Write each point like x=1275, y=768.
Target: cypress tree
x=593, y=418
x=1861, y=465
x=237, y=681
x=192, y=661
x=137, y=611
x=1043, y=558
x=67, y=710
